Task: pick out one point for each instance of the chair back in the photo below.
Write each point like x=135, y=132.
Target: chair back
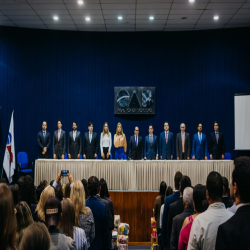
x=228, y=156
x=22, y=159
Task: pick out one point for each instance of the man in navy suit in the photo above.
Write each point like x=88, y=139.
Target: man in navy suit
x=59, y=142
x=151, y=145
x=75, y=143
x=101, y=240
x=136, y=146
x=199, y=149
x=216, y=144
x=43, y=140
x=166, y=143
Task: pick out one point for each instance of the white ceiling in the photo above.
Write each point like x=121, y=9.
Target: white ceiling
x=167, y=14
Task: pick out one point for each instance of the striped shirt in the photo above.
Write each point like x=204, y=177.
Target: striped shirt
x=80, y=238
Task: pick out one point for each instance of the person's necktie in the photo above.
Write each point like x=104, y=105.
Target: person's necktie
x=183, y=150
x=43, y=134
x=200, y=138
x=217, y=139
x=58, y=135
x=151, y=139
x=136, y=141
x=166, y=137
x=90, y=137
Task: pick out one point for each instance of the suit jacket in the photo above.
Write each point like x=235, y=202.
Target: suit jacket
x=42, y=143
x=216, y=149
x=166, y=149
x=177, y=225
x=169, y=200
x=75, y=147
x=90, y=148
x=199, y=149
x=101, y=240
x=179, y=146
x=234, y=233
x=150, y=150
x=59, y=146
x=135, y=152
x=111, y=210
x=227, y=202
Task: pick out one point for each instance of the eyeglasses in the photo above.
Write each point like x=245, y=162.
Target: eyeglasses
x=137, y=130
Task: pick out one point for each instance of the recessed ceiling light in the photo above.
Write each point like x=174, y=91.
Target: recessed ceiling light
x=216, y=17
x=119, y=17
x=87, y=18
x=191, y=1
x=80, y=2
x=55, y=18
x=151, y=18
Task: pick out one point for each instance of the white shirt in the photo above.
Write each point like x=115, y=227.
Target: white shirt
x=205, y=226
x=90, y=136
x=161, y=214
x=44, y=132
x=105, y=142
x=80, y=238
x=74, y=135
x=59, y=132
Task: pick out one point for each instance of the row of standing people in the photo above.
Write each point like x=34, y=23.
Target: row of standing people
x=147, y=150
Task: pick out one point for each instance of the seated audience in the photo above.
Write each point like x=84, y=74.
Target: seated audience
x=179, y=219
x=53, y=216
x=68, y=225
x=98, y=209
x=7, y=219
x=83, y=214
x=225, y=198
x=169, y=191
x=35, y=237
x=200, y=205
x=85, y=185
x=204, y=229
x=24, y=219
x=234, y=233
x=15, y=193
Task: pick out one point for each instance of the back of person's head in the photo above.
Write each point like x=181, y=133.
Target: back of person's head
x=188, y=197
x=162, y=192
x=214, y=186
x=177, y=179
x=2, y=180
x=59, y=192
x=105, y=185
x=225, y=186
x=45, y=195
x=45, y=183
x=67, y=190
x=85, y=185
x=39, y=190
x=51, y=183
x=185, y=182
x=199, y=197
x=15, y=193
x=7, y=218
x=52, y=210
x=77, y=195
x=35, y=237
x=93, y=185
x=27, y=190
x=68, y=217
x=241, y=178
x=169, y=191
x=103, y=189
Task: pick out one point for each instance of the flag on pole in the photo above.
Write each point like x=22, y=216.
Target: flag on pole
x=9, y=161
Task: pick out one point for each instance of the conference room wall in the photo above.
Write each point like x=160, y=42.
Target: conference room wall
x=51, y=75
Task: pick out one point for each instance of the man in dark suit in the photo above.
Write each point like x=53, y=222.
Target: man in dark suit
x=199, y=149
x=168, y=201
x=234, y=233
x=177, y=207
x=216, y=144
x=59, y=142
x=101, y=240
x=183, y=144
x=43, y=140
x=151, y=145
x=90, y=143
x=136, y=146
x=75, y=143
x=166, y=146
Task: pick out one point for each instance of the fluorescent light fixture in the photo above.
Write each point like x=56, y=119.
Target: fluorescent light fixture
x=191, y=1
x=55, y=18
x=119, y=17
x=80, y=2
x=216, y=17
x=151, y=18
x=87, y=18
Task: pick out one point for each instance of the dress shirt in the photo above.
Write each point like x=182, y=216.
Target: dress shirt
x=105, y=142
x=74, y=135
x=200, y=136
x=232, y=208
x=44, y=133
x=166, y=132
x=161, y=214
x=90, y=136
x=205, y=226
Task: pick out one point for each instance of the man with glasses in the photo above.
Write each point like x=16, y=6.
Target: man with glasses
x=136, y=146
x=166, y=146
x=183, y=144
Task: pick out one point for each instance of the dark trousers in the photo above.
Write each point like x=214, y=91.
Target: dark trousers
x=183, y=156
x=105, y=151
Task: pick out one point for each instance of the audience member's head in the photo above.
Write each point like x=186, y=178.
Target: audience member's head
x=51, y=183
x=27, y=190
x=199, y=197
x=177, y=179
x=214, y=187
x=93, y=185
x=24, y=219
x=77, y=195
x=35, y=237
x=52, y=210
x=185, y=182
x=68, y=217
x=7, y=219
x=169, y=191
x=39, y=190
x=45, y=195
x=67, y=190
x=104, y=188
x=15, y=193
x=240, y=185
x=85, y=185
x=162, y=193
x=188, y=197
x=225, y=186
x=59, y=192
x=45, y=183
x=2, y=180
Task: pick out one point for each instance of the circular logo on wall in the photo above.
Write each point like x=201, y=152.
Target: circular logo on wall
x=123, y=98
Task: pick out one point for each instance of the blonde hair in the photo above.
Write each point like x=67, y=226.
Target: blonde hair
x=77, y=195
x=119, y=124
x=103, y=132
x=45, y=195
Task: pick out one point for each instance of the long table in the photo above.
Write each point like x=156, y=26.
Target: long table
x=132, y=175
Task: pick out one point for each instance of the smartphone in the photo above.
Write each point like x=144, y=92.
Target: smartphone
x=64, y=172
